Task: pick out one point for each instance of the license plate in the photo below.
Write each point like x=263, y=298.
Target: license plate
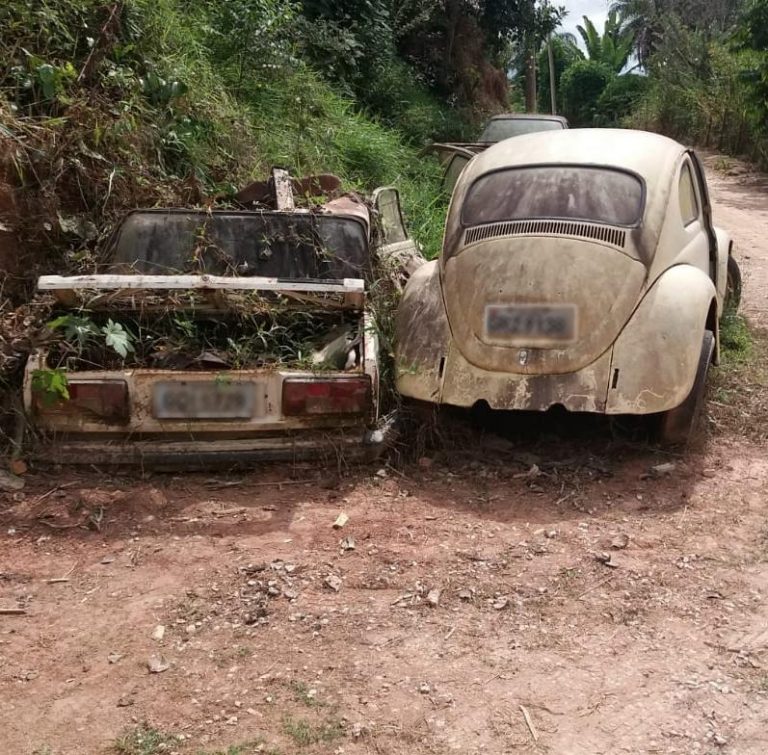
x=203, y=400
x=534, y=321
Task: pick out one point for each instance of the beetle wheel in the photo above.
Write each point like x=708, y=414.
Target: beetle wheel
x=733, y=285
x=677, y=426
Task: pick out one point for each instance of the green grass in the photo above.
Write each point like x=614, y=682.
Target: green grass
x=739, y=385
x=736, y=340
x=304, y=733
x=303, y=694
x=251, y=747
x=144, y=740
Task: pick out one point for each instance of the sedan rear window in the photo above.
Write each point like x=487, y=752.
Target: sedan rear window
x=290, y=246
x=504, y=128
x=573, y=192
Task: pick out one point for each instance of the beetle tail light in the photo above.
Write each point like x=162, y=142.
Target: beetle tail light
x=313, y=396
x=106, y=400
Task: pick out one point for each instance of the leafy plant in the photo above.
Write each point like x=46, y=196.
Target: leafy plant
x=76, y=328
x=83, y=333
x=51, y=385
x=118, y=338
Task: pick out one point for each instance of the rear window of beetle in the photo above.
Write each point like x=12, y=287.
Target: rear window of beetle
x=592, y=194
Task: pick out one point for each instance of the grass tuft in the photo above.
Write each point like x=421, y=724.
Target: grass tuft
x=304, y=733
x=736, y=342
x=144, y=740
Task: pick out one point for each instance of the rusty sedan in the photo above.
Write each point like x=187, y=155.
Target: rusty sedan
x=223, y=335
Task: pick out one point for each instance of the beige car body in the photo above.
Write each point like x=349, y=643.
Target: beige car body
x=644, y=295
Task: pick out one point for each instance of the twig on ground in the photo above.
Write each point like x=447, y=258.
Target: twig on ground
x=529, y=722
x=595, y=586
x=64, y=578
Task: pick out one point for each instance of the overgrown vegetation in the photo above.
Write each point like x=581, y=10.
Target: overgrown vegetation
x=703, y=72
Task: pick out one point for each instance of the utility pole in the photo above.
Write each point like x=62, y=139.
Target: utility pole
x=530, y=75
x=552, y=93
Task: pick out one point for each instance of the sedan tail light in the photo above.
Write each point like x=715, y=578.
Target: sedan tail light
x=302, y=396
x=104, y=399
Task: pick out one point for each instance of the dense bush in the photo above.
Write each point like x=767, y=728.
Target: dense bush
x=621, y=97
x=703, y=91
x=150, y=102
x=582, y=85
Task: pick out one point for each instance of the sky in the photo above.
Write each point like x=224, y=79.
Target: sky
x=596, y=10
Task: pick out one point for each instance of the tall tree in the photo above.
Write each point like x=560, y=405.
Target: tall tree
x=646, y=19
x=612, y=48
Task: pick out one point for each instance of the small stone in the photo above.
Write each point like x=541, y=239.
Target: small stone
x=333, y=582
x=341, y=520
x=663, y=470
x=157, y=664
x=433, y=597
x=465, y=594
x=114, y=657
x=158, y=632
x=190, y=629
x=107, y=560
x=501, y=603
x=10, y=483
x=231, y=721
x=17, y=467
x=620, y=542
x=550, y=534
x=124, y=702
x=348, y=544
x=424, y=688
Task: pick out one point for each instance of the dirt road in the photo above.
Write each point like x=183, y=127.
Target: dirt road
x=740, y=200
x=547, y=594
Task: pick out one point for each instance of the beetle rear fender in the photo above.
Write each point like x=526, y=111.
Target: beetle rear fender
x=724, y=250
x=423, y=336
x=656, y=356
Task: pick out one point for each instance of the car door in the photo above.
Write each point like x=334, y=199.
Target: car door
x=717, y=258
x=453, y=158
x=394, y=246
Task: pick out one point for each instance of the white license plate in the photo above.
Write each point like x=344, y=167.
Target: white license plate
x=535, y=321
x=203, y=400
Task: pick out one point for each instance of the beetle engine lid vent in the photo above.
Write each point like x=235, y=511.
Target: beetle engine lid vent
x=607, y=234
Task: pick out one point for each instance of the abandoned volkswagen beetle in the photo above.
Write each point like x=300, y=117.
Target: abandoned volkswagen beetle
x=579, y=268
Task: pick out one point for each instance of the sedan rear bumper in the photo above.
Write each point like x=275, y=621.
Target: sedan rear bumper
x=206, y=454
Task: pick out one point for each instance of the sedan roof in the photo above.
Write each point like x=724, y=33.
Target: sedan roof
x=528, y=117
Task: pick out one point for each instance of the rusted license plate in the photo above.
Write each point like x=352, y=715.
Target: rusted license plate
x=203, y=400
x=539, y=322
